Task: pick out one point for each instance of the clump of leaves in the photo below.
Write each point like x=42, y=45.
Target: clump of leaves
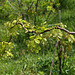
x=5, y=50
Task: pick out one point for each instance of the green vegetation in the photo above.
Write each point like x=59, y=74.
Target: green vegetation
x=30, y=34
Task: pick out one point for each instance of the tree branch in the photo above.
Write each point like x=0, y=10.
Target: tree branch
x=63, y=29
x=41, y=32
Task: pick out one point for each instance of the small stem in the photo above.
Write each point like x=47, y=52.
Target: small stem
x=50, y=12
x=60, y=62
x=60, y=49
x=64, y=57
x=59, y=16
x=35, y=12
x=10, y=38
x=48, y=15
x=53, y=57
x=10, y=4
x=19, y=3
x=30, y=6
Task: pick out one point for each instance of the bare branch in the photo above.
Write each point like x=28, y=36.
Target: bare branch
x=36, y=5
x=50, y=12
x=10, y=4
x=53, y=57
x=18, y=3
x=30, y=6
x=64, y=56
x=60, y=49
x=49, y=15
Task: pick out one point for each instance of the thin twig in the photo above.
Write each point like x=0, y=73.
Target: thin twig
x=52, y=17
x=24, y=17
x=30, y=6
x=19, y=3
x=36, y=5
x=53, y=57
x=10, y=38
x=48, y=15
x=50, y=12
x=60, y=49
x=60, y=58
x=64, y=57
x=10, y=4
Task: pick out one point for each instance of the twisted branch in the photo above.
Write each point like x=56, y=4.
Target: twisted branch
x=63, y=29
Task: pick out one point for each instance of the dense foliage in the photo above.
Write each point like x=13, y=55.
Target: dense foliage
x=27, y=26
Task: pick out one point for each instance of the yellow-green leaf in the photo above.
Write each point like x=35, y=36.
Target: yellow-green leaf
x=37, y=41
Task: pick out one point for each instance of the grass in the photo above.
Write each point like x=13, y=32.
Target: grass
x=24, y=65
x=35, y=64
